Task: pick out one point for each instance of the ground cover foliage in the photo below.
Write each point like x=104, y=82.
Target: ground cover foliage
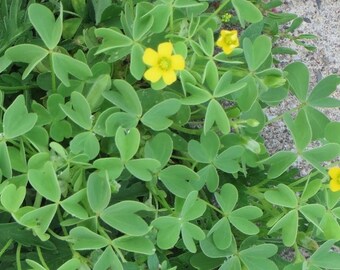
x=131, y=138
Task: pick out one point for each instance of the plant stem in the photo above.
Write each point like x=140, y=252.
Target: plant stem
x=41, y=258
x=17, y=257
x=281, y=115
x=222, y=5
x=54, y=83
x=16, y=88
x=37, y=200
x=6, y=246
x=186, y=130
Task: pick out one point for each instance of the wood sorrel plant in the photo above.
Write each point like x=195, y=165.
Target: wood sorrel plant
x=131, y=139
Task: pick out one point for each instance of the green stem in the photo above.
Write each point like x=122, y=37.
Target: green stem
x=54, y=82
x=281, y=115
x=222, y=5
x=16, y=88
x=182, y=158
x=37, y=200
x=17, y=257
x=41, y=258
x=187, y=130
x=6, y=246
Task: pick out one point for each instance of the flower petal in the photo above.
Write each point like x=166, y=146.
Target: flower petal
x=150, y=57
x=228, y=49
x=165, y=49
x=334, y=173
x=334, y=185
x=169, y=77
x=219, y=42
x=153, y=74
x=177, y=62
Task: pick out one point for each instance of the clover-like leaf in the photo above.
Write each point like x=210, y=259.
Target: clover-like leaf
x=84, y=239
x=144, y=168
x=73, y=206
x=17, y=120
x=127, y=142
x=108, y=259
x=12, y=197
x=257, y=52
x=216, y=114
x=122, y=216
x=135, y=244
x=282, y=196
x=98, y=191
x=160, y=147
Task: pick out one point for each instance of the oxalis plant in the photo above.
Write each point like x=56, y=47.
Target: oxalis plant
x=131, y=139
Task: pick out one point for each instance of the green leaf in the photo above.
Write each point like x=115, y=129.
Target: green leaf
x=112, y=165
x=120, y=119
x=282, y=196
x=221, y=233
x=233, y=263
x=300, y=129
x=210, y=177
x=321, y=154
x=125, y=97
x=17, y=120
x=12, y=197
x=289, y=225
x=246, y=11
x=279, y=163
x=179, y=180
x=26, y=53
x=108, y=259
x=112, y=39
x=80, y=112
x=257, y=52
x=143, y=21
x=38, y=137
x=256, y=257
x=191, y=232
x=197, y=94
x=324, y=257
x=64, y=65
x=209, y=249
x=5, y=161
x=122, y=217
x=216, y=114
x=228, y=160
x=84, y=239
x=44, y=180
x=39, y=220
x=85, y=143
x=318, y=122
x=137, y=66
x=311, y=188
x=313, y=213
x=127, y=142
x=99, y=7
x=71, y=264
x=161, y=14
x=48, y=28
x=330, y=226
x=323, y=89
x=206, y=40
x=168, y=231
x=206, y=150
x=157, y=118
x=95, y=95
x=210, y=75
x=227, y=198
x=144, y=168
x=332, y=132
x=225, y=87
x=141, y=245
x=192, y=207
x=70, y=27
x=73, y=206
x=298, y=78
x=98, y=192
x=35, y=265
x=240, y=219
x=160, y=147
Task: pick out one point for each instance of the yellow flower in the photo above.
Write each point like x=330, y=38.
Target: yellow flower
x=228, y=41
x=334, y=174
x=163, y=65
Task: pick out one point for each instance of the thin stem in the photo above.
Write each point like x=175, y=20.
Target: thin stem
x=41, y=258
x=54, y=82
x=6, y=246
x=37, y=200
x=281, y=115
x=17, y=257
x=187, y=130
x=222, y=5
x=171, y=19
x=16, y=88
x=181, y=158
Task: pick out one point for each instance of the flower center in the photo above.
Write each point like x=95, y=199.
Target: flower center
x=229, y=40
x=164, y=63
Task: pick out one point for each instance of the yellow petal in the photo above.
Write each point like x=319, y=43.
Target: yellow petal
x=177, y=62
x=334, y=185
x=219, y=42
x=334, y=173
x=169, y=77
x=228, y=49
x=150, y=57
x=165, y=49
x=153, y=74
